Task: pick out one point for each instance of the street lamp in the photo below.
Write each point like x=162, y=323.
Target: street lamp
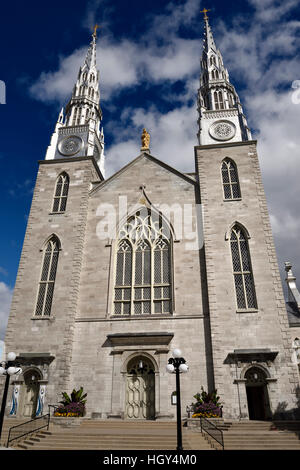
x=177, y=365
x=7, y=368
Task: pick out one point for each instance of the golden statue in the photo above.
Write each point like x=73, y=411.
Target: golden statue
x=145, y=140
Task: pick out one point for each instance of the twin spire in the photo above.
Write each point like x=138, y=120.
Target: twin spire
x=221, y=116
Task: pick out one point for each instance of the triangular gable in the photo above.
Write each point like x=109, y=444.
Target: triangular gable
x=152, y=159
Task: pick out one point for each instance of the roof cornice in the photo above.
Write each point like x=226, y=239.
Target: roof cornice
x=73, y=159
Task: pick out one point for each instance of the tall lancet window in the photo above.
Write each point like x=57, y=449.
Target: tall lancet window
x=242, y=270
x=230, y=180
x=218, y=99
x=61, y=193
x=46, y=286
x=143, y=280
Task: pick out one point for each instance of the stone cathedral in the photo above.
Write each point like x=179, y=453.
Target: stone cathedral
x=117, y=272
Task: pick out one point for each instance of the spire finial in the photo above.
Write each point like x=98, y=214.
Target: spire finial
x=205, y=11
x=95, y=30
x=145, y=140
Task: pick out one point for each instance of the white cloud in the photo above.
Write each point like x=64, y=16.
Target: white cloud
x=262, y=53
x=5, y=301
x=57, y=85
x=259, y=50
x=173, y=136
x=122, y=65
x=272, y=10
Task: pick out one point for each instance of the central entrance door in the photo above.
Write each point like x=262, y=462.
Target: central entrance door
x=140, y=389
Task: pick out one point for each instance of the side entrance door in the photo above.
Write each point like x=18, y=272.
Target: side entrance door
x=30, y=395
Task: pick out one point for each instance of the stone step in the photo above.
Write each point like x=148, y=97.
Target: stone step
x=125, y=424
x=262, y=435
x=111, y=447
x=116, y=438
x=260, y=447
x=253, y=440
x=257, y=435
x=121, y=443
x=55, y=438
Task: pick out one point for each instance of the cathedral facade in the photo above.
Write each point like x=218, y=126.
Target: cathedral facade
x=117, y=272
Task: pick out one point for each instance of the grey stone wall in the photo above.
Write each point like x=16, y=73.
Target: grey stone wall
x=104, y=380
x=27, y=333
x=266, y=327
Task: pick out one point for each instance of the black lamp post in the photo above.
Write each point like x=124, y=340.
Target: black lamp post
x=7, y=368
x=177, y=364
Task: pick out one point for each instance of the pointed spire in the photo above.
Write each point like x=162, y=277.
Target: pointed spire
x=217, y=97
x=83, y=112
x=90, y=59
x=84, y=104
x=208, y=41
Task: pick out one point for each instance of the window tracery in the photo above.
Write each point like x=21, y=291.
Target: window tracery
x=143, y=266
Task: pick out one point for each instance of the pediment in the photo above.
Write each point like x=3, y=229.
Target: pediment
x=139, y=159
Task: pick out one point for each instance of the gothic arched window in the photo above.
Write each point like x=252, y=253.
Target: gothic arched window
x=230, y=180
x=75, y=116
x=218, y=98
x=143, y=283
x=242, y=270
x=46, y=285
x=61, y=193
x=231, y=102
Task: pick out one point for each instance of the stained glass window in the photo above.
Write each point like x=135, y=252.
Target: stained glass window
x=143, y=266
x=230, y=180
x=242, y=271
x=61, y=193
x=46, y=285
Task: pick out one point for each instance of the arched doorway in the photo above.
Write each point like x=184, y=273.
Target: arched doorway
x=257, y=394
x=140, y=389
x=30, y=393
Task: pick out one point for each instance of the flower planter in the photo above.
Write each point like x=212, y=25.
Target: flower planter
x=205, y=415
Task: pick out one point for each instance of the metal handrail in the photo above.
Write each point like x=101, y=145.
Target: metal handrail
x=20, y=428
x=211, y=429
x=53, y=406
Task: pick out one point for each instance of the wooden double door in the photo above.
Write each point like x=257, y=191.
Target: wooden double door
x=140, y=389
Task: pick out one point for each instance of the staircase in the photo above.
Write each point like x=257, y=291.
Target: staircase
x=113, y=435
x=7, y=424
x=259, y=435
x=88, y=434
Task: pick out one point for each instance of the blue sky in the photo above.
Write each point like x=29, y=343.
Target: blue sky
x=148, y=55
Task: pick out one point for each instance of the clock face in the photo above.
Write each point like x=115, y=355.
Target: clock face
x=70, y=145
x=222, y=130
